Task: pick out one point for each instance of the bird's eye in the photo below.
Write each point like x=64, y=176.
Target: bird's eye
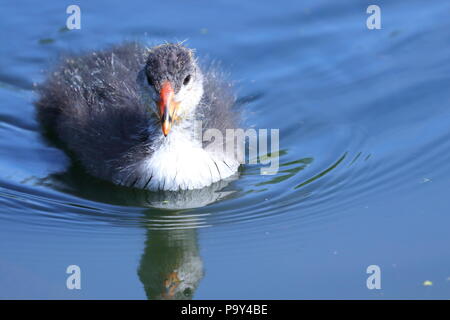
x=187, y=292
x=186, y=80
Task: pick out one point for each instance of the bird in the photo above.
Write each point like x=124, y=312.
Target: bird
x=135, y=115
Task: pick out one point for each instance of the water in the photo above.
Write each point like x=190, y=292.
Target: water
x=364, y=178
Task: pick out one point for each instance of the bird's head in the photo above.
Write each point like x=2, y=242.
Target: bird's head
x=172, y=82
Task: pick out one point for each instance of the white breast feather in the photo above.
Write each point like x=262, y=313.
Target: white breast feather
x=180, y=162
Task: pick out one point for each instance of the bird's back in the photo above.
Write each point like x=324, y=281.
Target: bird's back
x=92, y=104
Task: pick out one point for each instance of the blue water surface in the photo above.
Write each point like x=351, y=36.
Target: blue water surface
x=364, y=178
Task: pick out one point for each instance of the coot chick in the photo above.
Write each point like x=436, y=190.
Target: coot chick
x=131, y=115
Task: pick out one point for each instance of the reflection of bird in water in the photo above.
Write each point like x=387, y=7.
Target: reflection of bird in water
x=129, y=115
x=171, y=267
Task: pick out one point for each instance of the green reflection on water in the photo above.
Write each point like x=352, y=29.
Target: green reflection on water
x=321, y=174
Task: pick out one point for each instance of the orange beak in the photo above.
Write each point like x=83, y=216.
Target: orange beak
x=171, y=284
x=167, y=107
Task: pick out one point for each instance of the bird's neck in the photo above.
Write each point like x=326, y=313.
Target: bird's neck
x=186, y=129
